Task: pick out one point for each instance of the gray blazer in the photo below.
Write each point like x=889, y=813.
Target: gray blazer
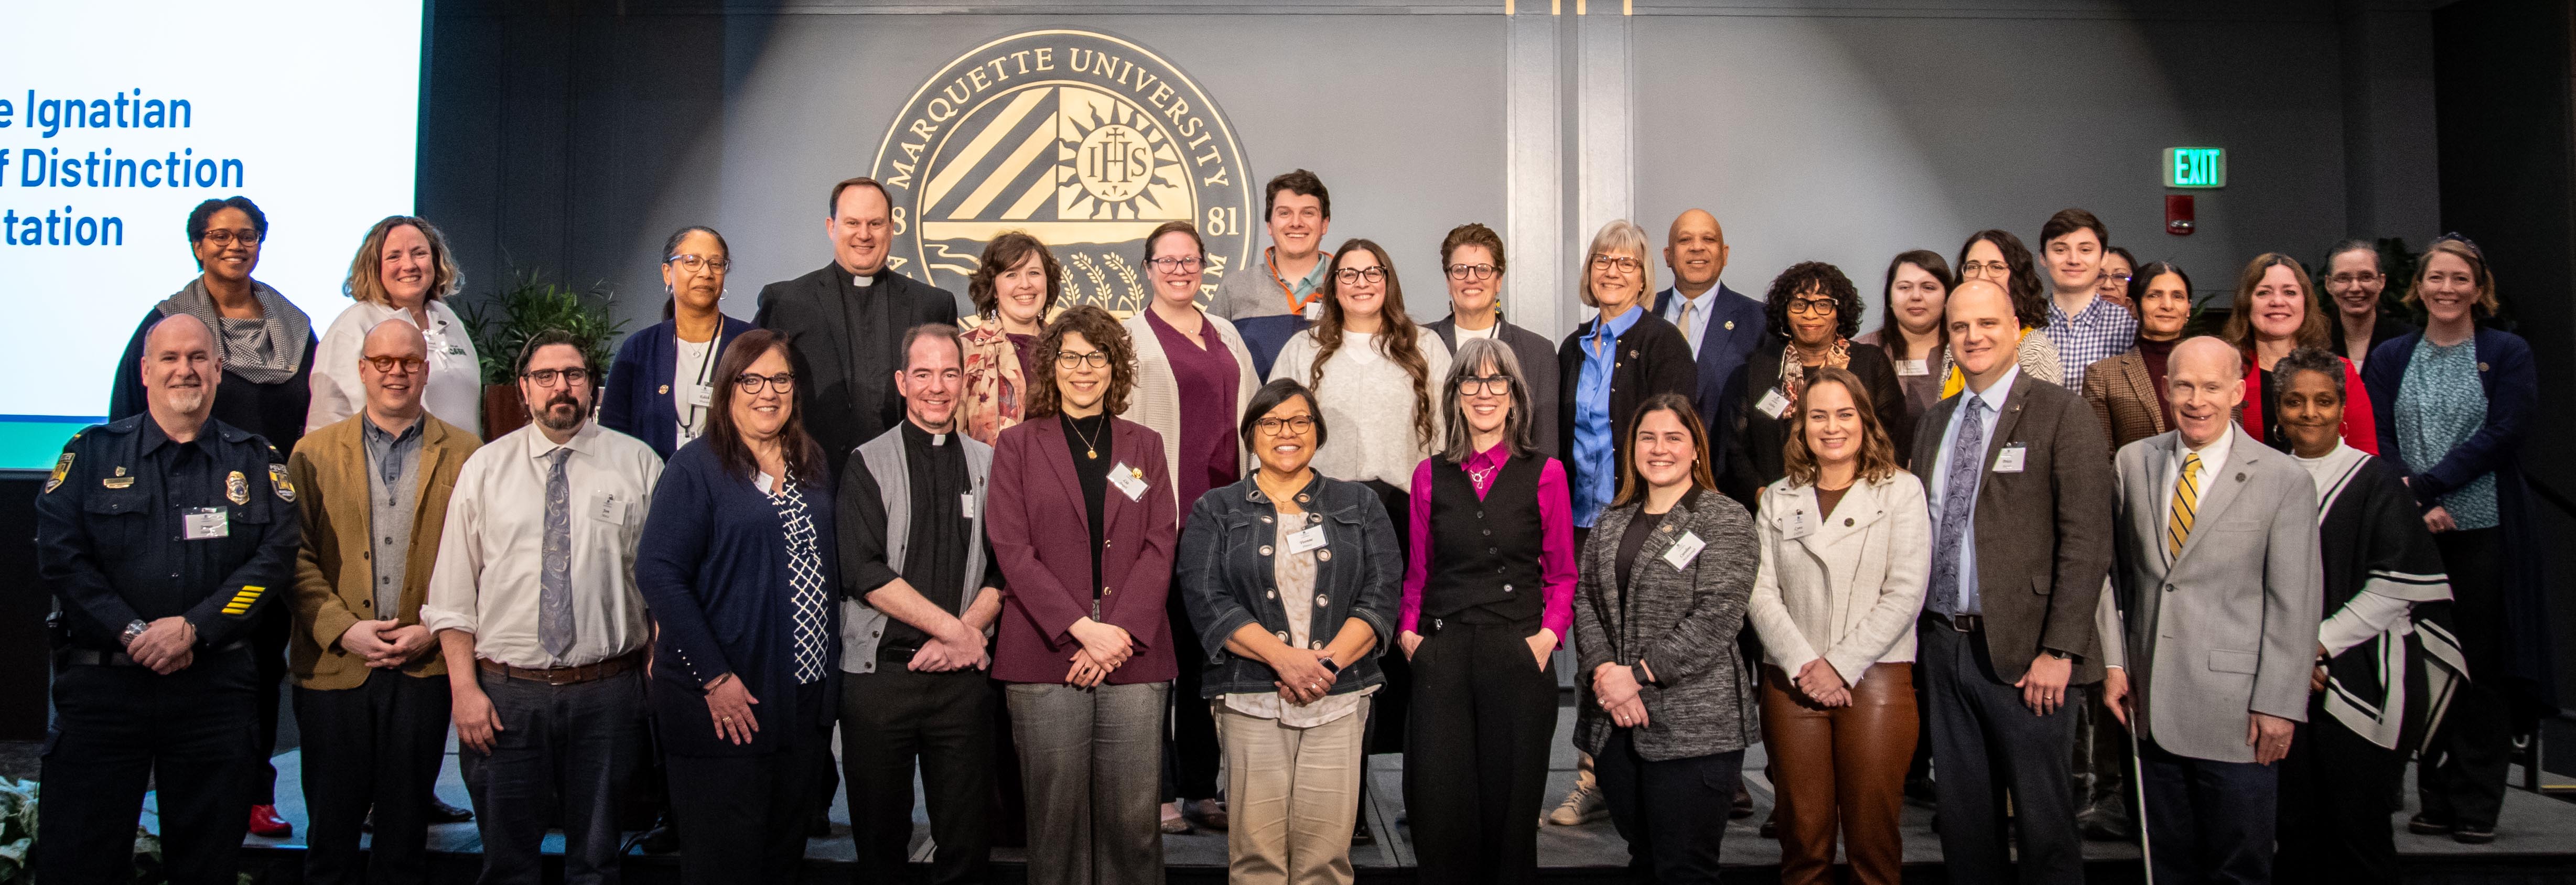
x=1681, y=622
x=1538, y=370
x=2230, y=625
x=2043, y=533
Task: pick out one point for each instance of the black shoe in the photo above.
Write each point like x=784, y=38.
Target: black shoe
x=1361, y=837
x=659, y=840
x=2423, y=825
x=1771, y=825
x=2472, y=835
x=442, y=813
x=819, y=826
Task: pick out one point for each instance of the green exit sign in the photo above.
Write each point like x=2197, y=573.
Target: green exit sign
x=2195, y=167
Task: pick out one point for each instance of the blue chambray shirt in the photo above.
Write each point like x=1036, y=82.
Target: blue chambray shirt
x=1596, y=460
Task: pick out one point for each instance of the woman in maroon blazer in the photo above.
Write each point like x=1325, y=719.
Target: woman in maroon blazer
x=1083, y=526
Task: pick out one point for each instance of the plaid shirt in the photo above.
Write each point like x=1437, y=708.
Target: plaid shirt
x=2100, y=331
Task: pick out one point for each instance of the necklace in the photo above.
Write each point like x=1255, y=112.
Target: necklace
x=1090, y=447
x=1478, y=476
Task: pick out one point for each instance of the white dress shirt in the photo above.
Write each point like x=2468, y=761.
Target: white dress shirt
x=491, y=552
x=2212, y=458
x=455, y=390
x=1938, y=487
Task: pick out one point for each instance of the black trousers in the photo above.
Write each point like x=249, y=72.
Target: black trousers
x=374, y=746
x=1987, y=747
x=1392, y=706
x=2209, y=822
x=889, y=719
x=1189, y=751
x=2460, y=777
x=268, y=649
x=567, y=752
x=742, y=818
x=2333, y=826
x=1673, y=813
x=117, y=730
x=1475, y=756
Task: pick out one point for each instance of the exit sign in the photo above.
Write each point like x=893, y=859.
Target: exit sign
x=2195, y=167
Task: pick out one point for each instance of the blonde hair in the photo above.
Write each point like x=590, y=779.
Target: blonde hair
x=1877, y=453
x=366, y=281
x=1619, y=235
x=2486, y=305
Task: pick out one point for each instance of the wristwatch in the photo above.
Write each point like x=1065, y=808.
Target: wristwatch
x=133, y=631
x=2054, y=653
x=1329, y=666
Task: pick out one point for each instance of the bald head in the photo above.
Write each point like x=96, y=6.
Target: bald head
x=393, y=365
x=2205, y=380
x=180, y=370
x=1985, y=335
x=1696, y=251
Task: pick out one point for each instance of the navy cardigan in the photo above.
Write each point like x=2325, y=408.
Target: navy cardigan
x=638, y=401
x=712, y=566
x=2512, y=387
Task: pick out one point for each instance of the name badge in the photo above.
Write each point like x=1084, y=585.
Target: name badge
x=701, y=395
x=1130, y=481
x=608, y=508
x=966, y=504
x=1800, y=525
x=1685, y=551
x=1315, y=311
x=1913, y=367
x=1774, y=403
x=2009, y=460
x=204, y=523
x=1308, y=539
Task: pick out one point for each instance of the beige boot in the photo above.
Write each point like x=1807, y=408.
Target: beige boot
x=1583, y=805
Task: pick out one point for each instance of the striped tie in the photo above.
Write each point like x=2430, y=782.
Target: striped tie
x=2186, y=492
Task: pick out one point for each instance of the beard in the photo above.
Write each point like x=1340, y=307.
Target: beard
x=188, y=399
x=563, y=412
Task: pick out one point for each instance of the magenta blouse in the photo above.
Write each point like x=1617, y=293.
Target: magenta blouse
x=1556, y=524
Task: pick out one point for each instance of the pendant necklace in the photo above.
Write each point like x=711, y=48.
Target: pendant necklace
x=1090, y=448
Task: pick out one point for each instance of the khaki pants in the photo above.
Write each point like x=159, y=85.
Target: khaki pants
x=1293, y=795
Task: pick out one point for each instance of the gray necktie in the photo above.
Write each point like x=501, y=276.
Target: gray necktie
x=554, y=583
x=1958, y=505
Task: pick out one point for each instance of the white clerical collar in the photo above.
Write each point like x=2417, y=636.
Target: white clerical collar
x=863, y=280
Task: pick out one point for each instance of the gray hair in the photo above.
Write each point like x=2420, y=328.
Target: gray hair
x=1620, y=235
x=1457, y=440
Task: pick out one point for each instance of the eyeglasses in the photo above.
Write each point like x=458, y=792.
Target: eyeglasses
x=1176, y=264
x=1473, y=271
x=1984, y=269
x=750, y=383
x=1620, y=263
x=1494, y=385
x=229, y=237
x=392, y=364
x=2348, y=279
x=1279, y=426
x=2116, y=277
x=1352, y=275
x=1811, y=305
x=1067, y=359
x=548, y=377
x=694, y=263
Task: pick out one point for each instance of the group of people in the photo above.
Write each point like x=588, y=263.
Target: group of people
x=1095, y=580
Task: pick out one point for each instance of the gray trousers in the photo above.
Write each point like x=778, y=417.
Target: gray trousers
x=1091, y=760
x=572, y=746
x=1986, y=745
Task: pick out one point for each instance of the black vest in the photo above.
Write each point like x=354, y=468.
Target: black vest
x=1484, y=554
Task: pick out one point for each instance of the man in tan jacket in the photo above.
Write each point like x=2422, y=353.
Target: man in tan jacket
x=371, y=693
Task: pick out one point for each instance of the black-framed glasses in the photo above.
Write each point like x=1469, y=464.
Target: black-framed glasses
x=1066, y=359
x=1298, y=424
x=1495, y=385
x=391, y=364
x=1812, y=305
x=1621, y=263
x=550, y=377
x=1473, y=271
x=228, y=237
x=2116, y=277
x=695, y=263
x=751, y=382
x=1353, y=275
x=1176, y=264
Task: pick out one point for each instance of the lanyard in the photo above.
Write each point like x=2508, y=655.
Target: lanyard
x=706, y=368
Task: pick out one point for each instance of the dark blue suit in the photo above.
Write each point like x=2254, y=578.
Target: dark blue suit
x=638, y=400
x=1736, y=327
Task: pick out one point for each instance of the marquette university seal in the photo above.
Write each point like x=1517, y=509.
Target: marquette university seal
x=1085, y=140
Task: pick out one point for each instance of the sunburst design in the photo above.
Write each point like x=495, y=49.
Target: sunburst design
x=1111, y=161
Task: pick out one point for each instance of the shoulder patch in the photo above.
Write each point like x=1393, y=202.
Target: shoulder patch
x=277, y=481
x=62, y=469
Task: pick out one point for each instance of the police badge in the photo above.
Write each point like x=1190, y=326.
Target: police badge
x=237, y=488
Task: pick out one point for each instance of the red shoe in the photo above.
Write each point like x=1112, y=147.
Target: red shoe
x=265, y=823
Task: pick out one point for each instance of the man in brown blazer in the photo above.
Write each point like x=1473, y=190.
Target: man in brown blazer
x=370, y=691
x=2021, y=491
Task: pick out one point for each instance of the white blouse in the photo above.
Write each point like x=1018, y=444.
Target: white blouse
x=455, y=390
x=1367, y=400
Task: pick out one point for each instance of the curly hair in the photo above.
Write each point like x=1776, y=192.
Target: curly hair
x=1003, y=253
x=1102, y=331
x=1398, y=339
x=1877, y=453
x=1632, y=484
x=2030, y=305
x=2239, y=330
x=2311, y=359
x=1812, y=277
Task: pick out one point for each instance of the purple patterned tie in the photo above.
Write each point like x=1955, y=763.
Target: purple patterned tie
x=1958, y=505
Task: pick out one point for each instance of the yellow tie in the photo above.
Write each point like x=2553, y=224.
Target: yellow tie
x=2186, y=491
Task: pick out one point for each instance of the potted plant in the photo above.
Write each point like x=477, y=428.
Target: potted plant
x=503, y=322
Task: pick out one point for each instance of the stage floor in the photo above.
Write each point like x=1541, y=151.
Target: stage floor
x=2536, y=839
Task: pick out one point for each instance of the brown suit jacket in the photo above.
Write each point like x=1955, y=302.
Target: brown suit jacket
x=2124, y=399
x=2044, y=533
x=334, y=589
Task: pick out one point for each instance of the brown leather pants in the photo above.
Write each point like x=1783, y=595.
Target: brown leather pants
x=1841, y=768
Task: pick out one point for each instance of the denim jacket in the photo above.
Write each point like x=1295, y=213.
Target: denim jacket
x=1225, y=577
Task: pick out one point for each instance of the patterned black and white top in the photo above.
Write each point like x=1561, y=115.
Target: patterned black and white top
x=808, y=598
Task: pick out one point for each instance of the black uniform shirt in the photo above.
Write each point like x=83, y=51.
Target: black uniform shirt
x=937, y=536
x=110, y=532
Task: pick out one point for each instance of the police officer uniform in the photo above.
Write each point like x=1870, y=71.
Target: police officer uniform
x=131, y=528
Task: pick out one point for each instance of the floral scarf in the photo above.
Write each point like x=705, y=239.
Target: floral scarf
x=1793, y=374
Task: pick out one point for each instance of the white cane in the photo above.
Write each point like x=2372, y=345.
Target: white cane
x=2138, y=782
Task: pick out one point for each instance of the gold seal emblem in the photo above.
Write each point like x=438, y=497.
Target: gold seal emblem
x=1084, y=140
x=237, y=488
